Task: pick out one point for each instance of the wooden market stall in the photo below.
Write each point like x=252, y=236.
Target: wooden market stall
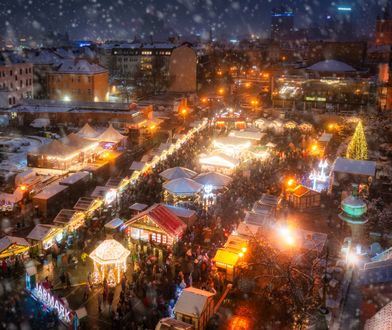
x=51, y=200
x=44, y=236
x=88, y=205
x=195, y=306
x=11, y=246
x=302, y=197
x=69, y=219
x=157, y=224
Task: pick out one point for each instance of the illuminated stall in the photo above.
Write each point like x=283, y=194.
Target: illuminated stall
x=110, y=262
x=181, y=190
x=111, y=138
x=70, y=220
x=106, y=194
x=301, y=197
x=11, y=246
x=177, y=173
x=45, y=236
x=231, y=146
x=157, y=224
x=88, y=205
x=220, y=163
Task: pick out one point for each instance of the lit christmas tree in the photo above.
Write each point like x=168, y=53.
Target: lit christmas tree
x=357, y=148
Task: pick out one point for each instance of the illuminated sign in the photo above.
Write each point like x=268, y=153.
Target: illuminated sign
x=312, y=98
x=45, y=297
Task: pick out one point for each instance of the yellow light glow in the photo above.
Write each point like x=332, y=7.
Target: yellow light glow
x=314, y=147
x=331, y=126
x=23, y=187
x=287, y=235
x=290, y=182
x=221, y=91
x=66, y=98
x=244, y=249
x=240, y=254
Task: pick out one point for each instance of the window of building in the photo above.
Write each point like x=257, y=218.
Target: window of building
x=27, y=82
x=30, y=81
x=20, y=71
x=10, y=72
x=20, y=83
x=79, y=78
x=29, y=70
x=9, y=101
x=164, y=239
x=16, y=78
x=26, y=70
x=11, y=85
x=89, y=91
x=13, y=100
x=89, y=79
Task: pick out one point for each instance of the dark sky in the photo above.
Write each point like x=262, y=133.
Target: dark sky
x=123, y=19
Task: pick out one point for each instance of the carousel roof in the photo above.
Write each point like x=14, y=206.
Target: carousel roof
x=88, y=132
x=213, y=179
x=177, y=173
x=183, y=186
x=331, y=66
x=218, y=160
x=111, y=135
x=110, y=252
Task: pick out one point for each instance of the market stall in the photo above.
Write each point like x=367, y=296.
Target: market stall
x=45, y=236
x=231, y=146
x=177, y=173
x=70, y=220
x=180, y=190
x=220, y=163
x=110, y=262
x=11, y=246
x=302, y=197
x=88, y=205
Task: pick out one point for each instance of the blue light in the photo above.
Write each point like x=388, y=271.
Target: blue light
x=287, y=14
x=84, y=44
x=344, y=8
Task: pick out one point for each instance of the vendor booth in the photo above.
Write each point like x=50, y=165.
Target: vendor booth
x=110, y=262
x=88, y=205
x=302, y=197
x=181, y=190
x=45, y=236
x=70, y=220
x=11, y=246
x=157, y=224
x=195, y=306
x=177, y=173
x=232, y=146
x=220, y=163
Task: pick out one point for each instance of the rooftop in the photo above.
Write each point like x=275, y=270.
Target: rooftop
x=80, y=67
x=331, y=66
x=352, y=166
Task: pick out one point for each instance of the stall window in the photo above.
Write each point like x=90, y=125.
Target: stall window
x=159, y=238
x=164, y=239
x=153, y=237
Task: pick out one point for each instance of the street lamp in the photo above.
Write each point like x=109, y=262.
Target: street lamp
x=221, y=91
x=287, y=235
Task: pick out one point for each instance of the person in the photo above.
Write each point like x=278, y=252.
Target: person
x=123, y=282
x=110, y=299
x=100, y=301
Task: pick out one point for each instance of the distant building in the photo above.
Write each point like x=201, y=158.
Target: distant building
x=79, y=80
x=282, y=23
x=16, y=79
x=383, y=35
x=340, y=24
x=182, y=70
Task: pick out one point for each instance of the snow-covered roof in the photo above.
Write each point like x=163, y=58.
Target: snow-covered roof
x=115, y=223
x=74, y=178
x=6, y=241
x=100, y=191
x=325, y=137
x=331, y=66
x=50, y=191
x=183, y=186
x=80, y=67
x=177, y=172
x=192, y=301
x=111, y=135
x=74, y=140
x=216, y=180
x=44, y=57
x=137, y=166
x=249, y=135
x=138, y=207
x=181, y=212
x=54, y=149
x=352, y=166
x=40, y=231
x=88, y=132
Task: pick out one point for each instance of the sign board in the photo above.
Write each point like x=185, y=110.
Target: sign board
x=47, y=298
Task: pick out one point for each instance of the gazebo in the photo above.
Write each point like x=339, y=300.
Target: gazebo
x=182, y=189
x=177, y=173
x=109, y=260
x=214, y=180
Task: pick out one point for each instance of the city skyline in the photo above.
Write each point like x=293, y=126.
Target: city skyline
x=95, y=19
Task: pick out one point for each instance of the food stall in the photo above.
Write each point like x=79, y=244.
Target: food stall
x=11, y=246
x=44, y=236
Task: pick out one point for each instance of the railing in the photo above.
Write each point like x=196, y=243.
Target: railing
x=387, y=254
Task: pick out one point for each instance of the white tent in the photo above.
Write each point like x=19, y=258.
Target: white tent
x=177, y=173
x=183, y=186
x=216, y=180
x=88, y=132
x=111, y=135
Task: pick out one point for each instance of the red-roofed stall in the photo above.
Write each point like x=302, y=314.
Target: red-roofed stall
x=157, y=224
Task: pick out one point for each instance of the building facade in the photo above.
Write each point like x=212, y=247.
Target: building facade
x=79, y=80
x=16, y=79
x=282, y=23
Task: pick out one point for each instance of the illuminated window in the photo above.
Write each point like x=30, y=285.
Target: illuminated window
x=159, y=238
x=164, y=239
x=153, y=237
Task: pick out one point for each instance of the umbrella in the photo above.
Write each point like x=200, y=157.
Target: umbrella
x=177, y=173
x=213, y=179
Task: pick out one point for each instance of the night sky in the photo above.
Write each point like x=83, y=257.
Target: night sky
x=123, y=19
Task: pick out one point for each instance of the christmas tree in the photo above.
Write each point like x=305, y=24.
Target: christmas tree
x=357, y=148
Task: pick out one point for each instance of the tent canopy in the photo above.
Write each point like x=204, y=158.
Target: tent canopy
x=177, y=173
x=218, y=160
x=213, y=179
x=111, y=135
x=74, y=140
x=88, y=132
x=192, y=301
x=55, y=149
x=183, y=186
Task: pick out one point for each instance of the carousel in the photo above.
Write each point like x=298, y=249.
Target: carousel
x=109, y=262
x=181, y=190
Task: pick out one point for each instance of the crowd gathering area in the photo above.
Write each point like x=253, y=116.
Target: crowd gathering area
x=183, y=234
